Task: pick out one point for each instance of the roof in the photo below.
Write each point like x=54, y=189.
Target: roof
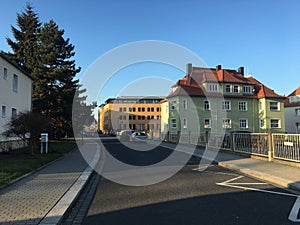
x=192, y=83
x=287, y=102
x=15, y=65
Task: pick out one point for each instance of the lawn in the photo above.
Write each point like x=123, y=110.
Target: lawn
x=19, y=162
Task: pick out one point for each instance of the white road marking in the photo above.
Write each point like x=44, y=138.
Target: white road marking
x=295, y=211
x=238, y=186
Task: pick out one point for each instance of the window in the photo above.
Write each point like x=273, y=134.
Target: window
x=173, y=105
x=226, y=123
x=243, y=106
x=130, y=109
x=133, y=117
x=124, y=109
x=274, y=106
x=133, y=109
x=143, y=109
x=207, y=123
x=212, y=87
x=139, y=109
x=226, y=105
x=236, y=89
x=185, y=105
x=139, y=117
x=247, y=89
x=261, y=123
x=243, y=123
x=148, y=109
x=3, y=111
x=152, y=109
x=275, y=123
x=120, y=109
x=148, y=117
x=228, y=88
x=124, y=117
x=120, y=117
x=184, y=123
x=157, y=109
x=5, y=76
x=260, y=106
x=158, y=117
x=15, y=83
x=297, y=112
x=206, y=105
x=13, y=113
x=173, y=123
x=298, y=127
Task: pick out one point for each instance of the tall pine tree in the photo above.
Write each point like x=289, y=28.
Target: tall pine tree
x=25, y=44
x=42, y=51
x=56, y=88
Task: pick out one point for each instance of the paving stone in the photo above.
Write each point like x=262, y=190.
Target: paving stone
x=28, y=200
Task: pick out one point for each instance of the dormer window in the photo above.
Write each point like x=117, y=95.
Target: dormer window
x=247, y=90
x=212, y=87
x=236, y=89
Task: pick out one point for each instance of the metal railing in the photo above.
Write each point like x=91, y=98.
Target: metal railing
x=251, y=143
x=286, y=147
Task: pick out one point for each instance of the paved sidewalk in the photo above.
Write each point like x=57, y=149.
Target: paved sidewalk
x=44, y=196
x=276, y=173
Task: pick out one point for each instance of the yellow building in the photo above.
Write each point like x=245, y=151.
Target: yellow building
x=131, y=113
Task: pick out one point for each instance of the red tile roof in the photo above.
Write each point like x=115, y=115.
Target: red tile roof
x=192, y=84
x=287, y=102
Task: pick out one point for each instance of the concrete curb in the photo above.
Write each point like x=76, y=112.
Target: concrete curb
x=57, y=213
x=255, y=174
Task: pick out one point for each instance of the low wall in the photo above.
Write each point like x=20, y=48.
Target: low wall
x=9, y=145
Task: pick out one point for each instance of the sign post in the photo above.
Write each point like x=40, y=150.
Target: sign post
x=44, y=139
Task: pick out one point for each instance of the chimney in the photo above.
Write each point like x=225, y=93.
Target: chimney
x=218, y=67
x=241, y=70
x=189, y=68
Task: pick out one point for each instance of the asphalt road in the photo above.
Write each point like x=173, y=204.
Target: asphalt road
x=214, y=196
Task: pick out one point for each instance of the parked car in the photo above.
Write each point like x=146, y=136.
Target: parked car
x=138, y=137
x=125, y=135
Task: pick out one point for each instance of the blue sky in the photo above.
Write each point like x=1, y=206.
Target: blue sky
x=263, y=36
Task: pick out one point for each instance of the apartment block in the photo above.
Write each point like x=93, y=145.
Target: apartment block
x=223, y=100
x=140, y=113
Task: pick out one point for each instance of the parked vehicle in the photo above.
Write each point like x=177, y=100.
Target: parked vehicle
x=138, y=137
x=125, y=135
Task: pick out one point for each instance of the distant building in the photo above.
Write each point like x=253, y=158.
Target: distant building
x=224, y=100
x=292, y=112
x=15, y=92
x=131, y=112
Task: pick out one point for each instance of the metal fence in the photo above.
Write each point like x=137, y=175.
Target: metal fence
x=286, y=147
x=251, y=143
x=282, y=146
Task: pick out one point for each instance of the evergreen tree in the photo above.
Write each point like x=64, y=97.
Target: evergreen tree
x=24, y=46
x=56, y=87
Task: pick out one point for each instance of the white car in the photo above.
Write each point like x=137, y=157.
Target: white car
x=138, y=136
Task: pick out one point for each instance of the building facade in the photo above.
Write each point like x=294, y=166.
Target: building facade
x=15, y=92
x=131, y=112
x=215, y=100
x=292, y=112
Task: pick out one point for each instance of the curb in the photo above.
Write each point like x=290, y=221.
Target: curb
x=259, y=175
x=57, y=213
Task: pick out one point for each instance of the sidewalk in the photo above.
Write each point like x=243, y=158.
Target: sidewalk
x=44, y=196
x=276, y=173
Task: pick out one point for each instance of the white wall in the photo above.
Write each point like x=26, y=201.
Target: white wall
x=20, y=100
x=291, y=119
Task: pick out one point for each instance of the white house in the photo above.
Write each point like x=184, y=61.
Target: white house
x=292, y=112
x=15, y=92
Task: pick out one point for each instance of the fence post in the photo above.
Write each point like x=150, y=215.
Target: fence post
x=270, y=147
x=232, y=141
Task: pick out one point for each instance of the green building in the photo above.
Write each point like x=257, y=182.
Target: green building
x=212, y=100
